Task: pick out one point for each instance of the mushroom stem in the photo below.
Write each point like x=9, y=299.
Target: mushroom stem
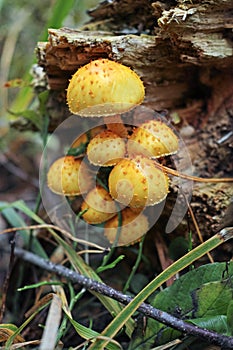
x=115, y=124
x=190, y=177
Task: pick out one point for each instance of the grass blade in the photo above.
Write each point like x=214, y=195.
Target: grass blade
x=89, y=334
x=16, y=220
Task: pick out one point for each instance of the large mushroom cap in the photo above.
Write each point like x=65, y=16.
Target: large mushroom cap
x=104, y=87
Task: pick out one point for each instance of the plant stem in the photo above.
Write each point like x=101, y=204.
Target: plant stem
x=114, y=245
x=134, y=269
x=191, y=177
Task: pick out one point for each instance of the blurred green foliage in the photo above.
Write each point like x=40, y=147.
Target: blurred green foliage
x=23, y=24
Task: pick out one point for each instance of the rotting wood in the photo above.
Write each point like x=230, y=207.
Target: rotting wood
x=180, y=52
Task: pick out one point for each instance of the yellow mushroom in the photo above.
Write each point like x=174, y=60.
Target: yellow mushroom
x=133, y=227
x=152, y=139
x=102, y=88
x=137, y=182
x=99, y=205
x=106, y=149
x=105, y=88
x=69, y=176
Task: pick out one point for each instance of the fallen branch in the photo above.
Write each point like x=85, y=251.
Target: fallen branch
x=159, y=315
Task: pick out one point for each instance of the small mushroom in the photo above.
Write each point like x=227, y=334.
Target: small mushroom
x=152, y=139
x=133, y=227
x=69, y=176
x=137, y=182
x=104, y=88
x=99, y=205
x=106, y=149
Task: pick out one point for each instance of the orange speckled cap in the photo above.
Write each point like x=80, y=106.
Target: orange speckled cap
x=134, y=227
x=137, y=182
x=104, y=87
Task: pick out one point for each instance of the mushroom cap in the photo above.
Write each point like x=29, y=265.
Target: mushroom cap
x=104, y=87
x=153, y=139
x=100, y=205
x=69, y=176
x=137, y=182
x=134, y=227
x=106, y=149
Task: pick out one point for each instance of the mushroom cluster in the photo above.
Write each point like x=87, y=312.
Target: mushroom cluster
x=125, y=157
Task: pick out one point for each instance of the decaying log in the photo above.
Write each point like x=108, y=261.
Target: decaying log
x=177, y=58
x=184, y=55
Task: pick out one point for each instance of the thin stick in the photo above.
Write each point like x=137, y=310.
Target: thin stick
x=197, y=228
x=57, y=228
x=191, y=177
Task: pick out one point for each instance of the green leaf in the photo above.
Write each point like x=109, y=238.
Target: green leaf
x=214, y=323
x=77, y=151
x=59, y=11
x=39, y=284
x=211, y=299
x=88, y=333
x=31, y=115
x=18, y=330
x=230, y=318
x=43, y=98
x=22, y=206
x=8, y=330
x=199, y=293
x=111, y=305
